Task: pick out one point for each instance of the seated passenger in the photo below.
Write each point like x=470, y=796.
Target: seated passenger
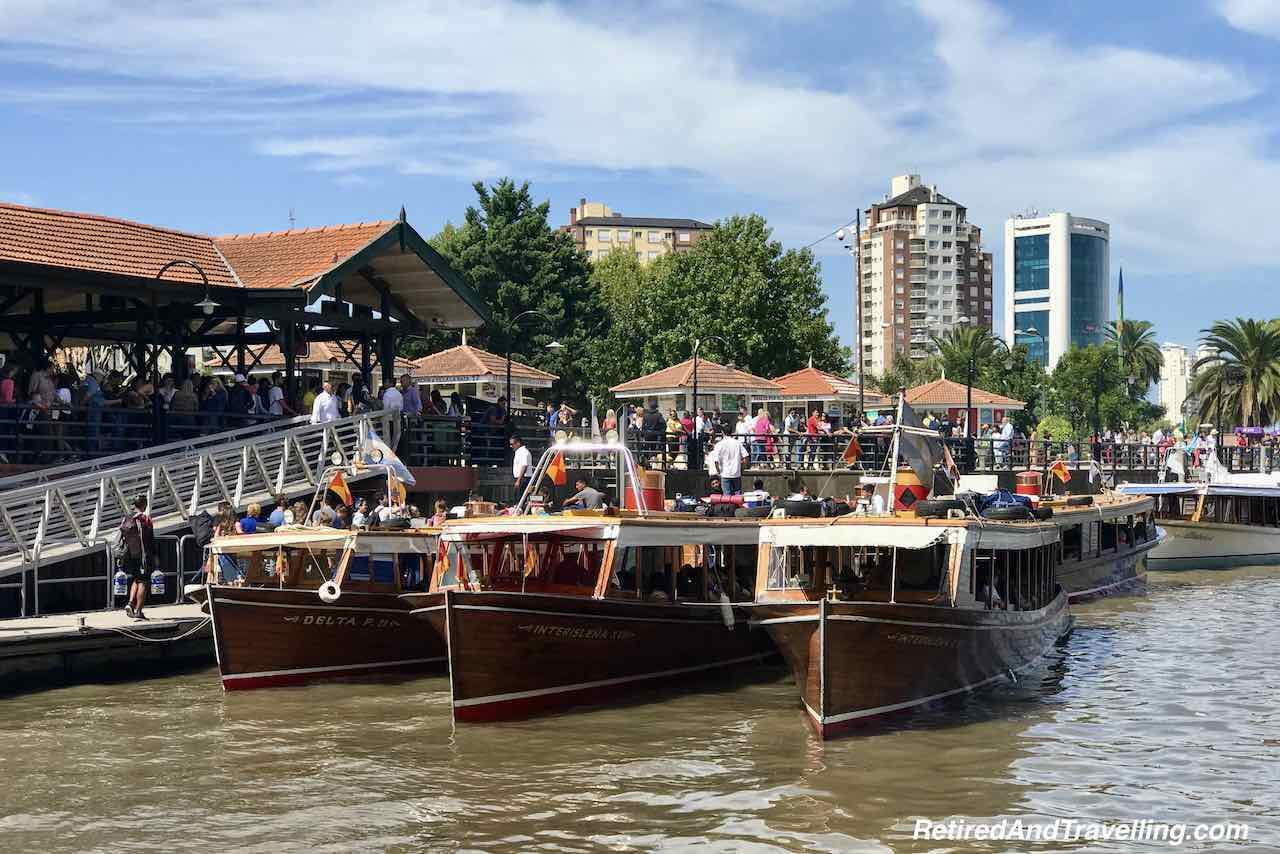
x=586, y=498
x=657, y=589
x=687, y=583
x=986, y=591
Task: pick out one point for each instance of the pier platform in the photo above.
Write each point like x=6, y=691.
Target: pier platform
x=101, y=646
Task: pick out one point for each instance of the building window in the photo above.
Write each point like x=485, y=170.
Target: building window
x=1089, y=292
x=655, y=237
x=899, y=273
x=933, y=229
x=946, y=259
x=946, y=244
x=933, y=213
x=946, y=229
x=1031, y=263
x=946, y=214
x=933, y=244
x=933, y=259
x=604, y=235
x=639, y=235
x=666, y=235
x=1037, y=347
x=946, y=274
x=588, y=232
x=933, y=305
x=652, y=254
x=933, y=274
x=898, y=259
x=683, y=236
x=900, y=290
x=624, y=234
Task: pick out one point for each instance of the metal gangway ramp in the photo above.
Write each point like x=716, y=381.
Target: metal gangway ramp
x=61, y=513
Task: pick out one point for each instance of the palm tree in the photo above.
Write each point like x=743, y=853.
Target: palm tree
x=1142, y=356
x=967, y=348
x=1241, y=378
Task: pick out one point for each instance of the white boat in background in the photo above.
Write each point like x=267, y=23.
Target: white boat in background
x=1229, y=520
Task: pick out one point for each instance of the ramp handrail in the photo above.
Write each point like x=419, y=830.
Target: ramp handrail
x=74, y=514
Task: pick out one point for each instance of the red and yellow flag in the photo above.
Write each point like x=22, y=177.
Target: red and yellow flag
x=338, y=486
x=396, y=487
x=557, y=472
x=853, y=452
x=1060, y=471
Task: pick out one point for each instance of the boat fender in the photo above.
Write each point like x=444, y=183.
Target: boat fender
x=1079, y=500
x=157, y=582
x=1044, y=514
x=330, y=592
x=939, y=508
x=119, y=584
x=726, y=611
x=955, y=514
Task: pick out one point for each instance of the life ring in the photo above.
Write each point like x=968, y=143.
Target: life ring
x=330, y=592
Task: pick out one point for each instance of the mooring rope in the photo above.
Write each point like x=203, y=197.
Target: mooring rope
x=129, y=633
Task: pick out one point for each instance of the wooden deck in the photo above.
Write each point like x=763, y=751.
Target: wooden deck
x=101, y=646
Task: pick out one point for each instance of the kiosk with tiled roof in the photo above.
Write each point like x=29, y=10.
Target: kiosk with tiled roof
x=473, y=372
x=945, y=397
x=715, y=383
x=73, y=279
x=810, y=387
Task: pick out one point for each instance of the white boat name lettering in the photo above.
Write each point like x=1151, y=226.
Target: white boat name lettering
x=919, y=640
x=576, y=632
x=340, y=620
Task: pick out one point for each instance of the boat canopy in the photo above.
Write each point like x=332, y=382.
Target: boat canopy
x=710, y=533
x=516, y=526
x=1210, y=489
x=301, y=537
x=991, y=536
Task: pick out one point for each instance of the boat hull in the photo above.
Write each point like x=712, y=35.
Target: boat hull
x=1109, y=575
x=1214, y=545
x=268, y=637
x=856, y=662
x=515, y=655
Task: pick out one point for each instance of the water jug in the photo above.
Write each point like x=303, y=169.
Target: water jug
x=157, y=583
x=119, y=583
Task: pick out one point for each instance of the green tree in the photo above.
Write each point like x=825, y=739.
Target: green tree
x=1013, y=373
x=968, y=347
x=1241, y=379
x=907, y=373
x=736, y=282
x=508, y=251
x=1088, y=389
x=1142, y=356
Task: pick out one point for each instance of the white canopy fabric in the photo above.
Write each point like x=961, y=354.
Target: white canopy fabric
x=709, y=533
x=518, y=526
x=986, y=536
x=313, y=538
x=1240, y=490
x=400, y=543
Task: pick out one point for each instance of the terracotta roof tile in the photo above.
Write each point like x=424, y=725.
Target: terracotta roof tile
x=948, y=393
x=105, y=245
x=282, y=259
x=468, y=361
x=811, y=382
x=710, y=376
x=320, y=352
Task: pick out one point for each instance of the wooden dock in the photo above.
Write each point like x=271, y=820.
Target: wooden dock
x=101, y=646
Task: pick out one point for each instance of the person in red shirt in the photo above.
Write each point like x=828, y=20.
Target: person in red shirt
x=811, y=434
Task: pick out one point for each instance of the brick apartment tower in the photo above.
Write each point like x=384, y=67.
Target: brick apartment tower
x=923, y=269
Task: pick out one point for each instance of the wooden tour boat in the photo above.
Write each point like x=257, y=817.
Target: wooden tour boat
x=315, y=602
x=547, y=611
x=1230, y=522
x=1106, y=544
x=877, y=615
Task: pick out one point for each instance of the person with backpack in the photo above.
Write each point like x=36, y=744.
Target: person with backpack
x=135, y=555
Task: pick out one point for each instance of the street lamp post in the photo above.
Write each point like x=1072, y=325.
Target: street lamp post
x=554, y=345
x=856, y=250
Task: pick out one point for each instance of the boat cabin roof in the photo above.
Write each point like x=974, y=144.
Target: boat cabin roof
x=906, y=532
x=320, y=538
x=653, y=529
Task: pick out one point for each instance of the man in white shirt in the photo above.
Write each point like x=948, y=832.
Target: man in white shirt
x=757, y=496
x=871, y=502
x=521, y=465
x=393, y=402
x=728, y=454
x=325, y=409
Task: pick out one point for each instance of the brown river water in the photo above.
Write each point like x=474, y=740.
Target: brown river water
x=1160, y=707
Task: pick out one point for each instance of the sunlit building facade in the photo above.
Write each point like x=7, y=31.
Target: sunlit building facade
x=1057, y=273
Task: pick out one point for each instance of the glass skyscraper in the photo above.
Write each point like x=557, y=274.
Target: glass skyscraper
x=1057, y=283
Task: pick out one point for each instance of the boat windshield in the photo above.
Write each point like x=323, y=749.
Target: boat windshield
x=542, y=563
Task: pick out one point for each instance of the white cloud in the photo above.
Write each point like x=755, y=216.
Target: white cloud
x=1000, y=118
x=1261, y=17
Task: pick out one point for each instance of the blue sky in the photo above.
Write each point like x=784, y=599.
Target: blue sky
x=1159, y=118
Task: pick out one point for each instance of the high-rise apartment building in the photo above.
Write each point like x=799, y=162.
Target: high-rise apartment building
x=1057, y=291
x=923, y=273
x=598, y=231
x=1175, y=374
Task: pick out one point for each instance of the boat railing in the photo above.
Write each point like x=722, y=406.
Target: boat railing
x=624, y=461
